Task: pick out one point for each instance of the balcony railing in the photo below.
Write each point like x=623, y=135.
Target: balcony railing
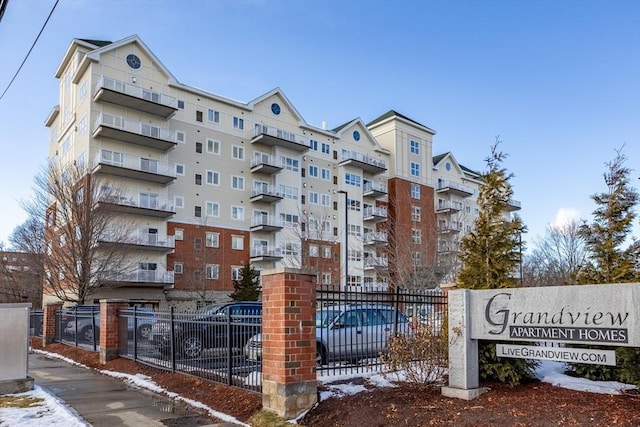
x=266, y=223
x=449, y=205
x=261, y=161
x=154, y=205
x=514, y=205
x=375, y=188
x=132, y=96
x=376, y=262
x=266, y=252
x=134, y=131
x=374, y=212
x=140, y=276
x=454, y=187
x=368, y=163
x=452, y=227
x=278, y=137
x=377, y=237
x=119, y=164
x=368, y=287
x=265, y=193
x=143, y=239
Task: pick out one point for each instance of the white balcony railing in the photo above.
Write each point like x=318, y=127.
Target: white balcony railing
x=142, y=239
x=374, y=211
x=379, y=187
x=280, y=134
x=368, y=287
x=140, y=200
x=445, y=204
x=375, y=237
x=136, y=91
x=133, y=162
x=442, y=184
x=266, y=251
x=140, y=276
x=268, y=220
x=364, y=158
x=265, y=189
x=265, y=159
x=375, y=261
x=134, y=126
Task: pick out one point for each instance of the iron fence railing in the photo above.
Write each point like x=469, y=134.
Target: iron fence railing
x=208, y=343
x=35, y=322
x=79, y=326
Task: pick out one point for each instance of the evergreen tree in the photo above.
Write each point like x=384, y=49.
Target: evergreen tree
x=610, y=261
x=248, y=287
x=490, y=256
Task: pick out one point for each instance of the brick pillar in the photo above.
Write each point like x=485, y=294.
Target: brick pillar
x=49, y=323
x=288, y=341
x=111, y=330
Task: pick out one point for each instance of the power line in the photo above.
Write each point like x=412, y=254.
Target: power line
x=28, y=53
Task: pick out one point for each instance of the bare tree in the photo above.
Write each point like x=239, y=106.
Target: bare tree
x=558, y=256
x=85, y=229
x=9, y=290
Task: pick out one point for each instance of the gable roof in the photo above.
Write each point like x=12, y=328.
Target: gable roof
x=394, y=114
x=97, y=43
x=278, y=91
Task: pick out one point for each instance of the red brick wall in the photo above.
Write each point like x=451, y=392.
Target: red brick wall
x=49, y=323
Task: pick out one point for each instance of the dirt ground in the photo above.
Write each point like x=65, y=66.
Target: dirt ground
x=533, y=404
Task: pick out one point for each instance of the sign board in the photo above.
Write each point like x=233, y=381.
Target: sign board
x=560, y=354
x=591, y=314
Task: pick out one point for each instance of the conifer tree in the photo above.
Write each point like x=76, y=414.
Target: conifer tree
x=490, y=256
x=248, y=287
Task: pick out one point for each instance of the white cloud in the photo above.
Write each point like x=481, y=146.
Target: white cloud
x=564, y=216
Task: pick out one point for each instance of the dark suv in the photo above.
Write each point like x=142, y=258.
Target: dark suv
x=224, y=325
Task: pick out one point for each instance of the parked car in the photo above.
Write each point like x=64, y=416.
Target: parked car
x=86, y=320
x=209, y=328
x=350, y=332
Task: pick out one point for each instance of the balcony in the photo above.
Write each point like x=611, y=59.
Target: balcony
x=369, y=287
x=133, y=132
x=265, y=193
x=375, y=214
x=365, y=162
x=152, y=242
x=375, y=262
x=261, y=253
x=446, y=206
x=452, y=227
x=513, y=205
x=274, y=137
x=374, y=189
x=138, y=277
x=264, y=163
x=138, y=168
x=265, y=223
x=146, y=204
x=132, y=96
x=378, y=238
x=450, y=187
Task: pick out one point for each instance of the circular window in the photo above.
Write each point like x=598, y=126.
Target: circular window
x=275, y=108
x=356, y=135
x=133, y=61
x=447, y=166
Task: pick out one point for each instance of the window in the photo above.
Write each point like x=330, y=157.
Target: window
x=415, y=213
x=415, y=169
x=289, y=220
x=198, y=211
x=314, y=198
x=416, y=236
x=313, y=171
x=83, y=90
x=415, y=191
x=82, y=125
x=237, y=182
x=237, y=152
x=213, y=146
x=212, y=271
x=355, y=230
x=180, y=104
x=66, y=144
x=213, y=116
x=180, y=168
x=290, y=164
x=351, y=179
x=355, y=255
x=178, y=234
x=326, y=278
x=313, y=144
x=212, y=209
x=326, y=174
x=198, y=116
x=178, y=268
x=290, y=249
x=236, y=273
x=198, y=147
x=213, y=177
x=414, y=147
x=238, y=123
x=237, y=213
x=326, y=252
x=415, y=256
x=325, y=148
x=197, y=243
x=354, y=205
x=289, y=192
x=178, y=201
x=212, y=240
x=326, y=200
x=198, y=179
x=237, y=243
x=314, y=251
x=180, y=137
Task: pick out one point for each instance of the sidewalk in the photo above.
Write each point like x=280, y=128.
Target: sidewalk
x=103, y=401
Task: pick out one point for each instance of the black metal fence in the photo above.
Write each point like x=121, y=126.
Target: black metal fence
x=353, y=328
x=79, y=326
x=35, y=322
x=208, y=343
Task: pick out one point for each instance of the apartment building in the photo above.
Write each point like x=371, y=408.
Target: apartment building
x=207, y=184
x=21, y=278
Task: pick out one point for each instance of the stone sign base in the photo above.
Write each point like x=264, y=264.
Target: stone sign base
x=16, y=386
x=465, y=394
x=289, y=400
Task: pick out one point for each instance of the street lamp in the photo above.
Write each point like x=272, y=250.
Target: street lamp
x=346, y=238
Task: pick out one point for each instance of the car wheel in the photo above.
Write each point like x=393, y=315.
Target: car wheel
x=144, y=331
x=191, y=347
x=321, y=355
x=86, y=334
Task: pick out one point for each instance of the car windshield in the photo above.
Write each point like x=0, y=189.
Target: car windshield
x=210, y=309
x=325, y=317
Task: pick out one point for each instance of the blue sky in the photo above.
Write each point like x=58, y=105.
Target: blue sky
x=558, y=81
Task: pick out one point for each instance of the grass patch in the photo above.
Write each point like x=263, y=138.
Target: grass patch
x=19, y=402
x=267, y=419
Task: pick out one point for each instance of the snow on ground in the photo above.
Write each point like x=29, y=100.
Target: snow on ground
x=51, y=412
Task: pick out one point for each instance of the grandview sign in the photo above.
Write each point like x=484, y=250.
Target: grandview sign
x=594, y=314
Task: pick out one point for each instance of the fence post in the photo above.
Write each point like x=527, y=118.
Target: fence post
x=112, y=331
x=49, y=323
x=288, y=341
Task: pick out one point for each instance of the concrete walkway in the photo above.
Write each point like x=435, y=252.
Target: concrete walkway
x=103, y=401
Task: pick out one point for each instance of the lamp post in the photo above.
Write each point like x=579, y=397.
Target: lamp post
x=346, y=238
